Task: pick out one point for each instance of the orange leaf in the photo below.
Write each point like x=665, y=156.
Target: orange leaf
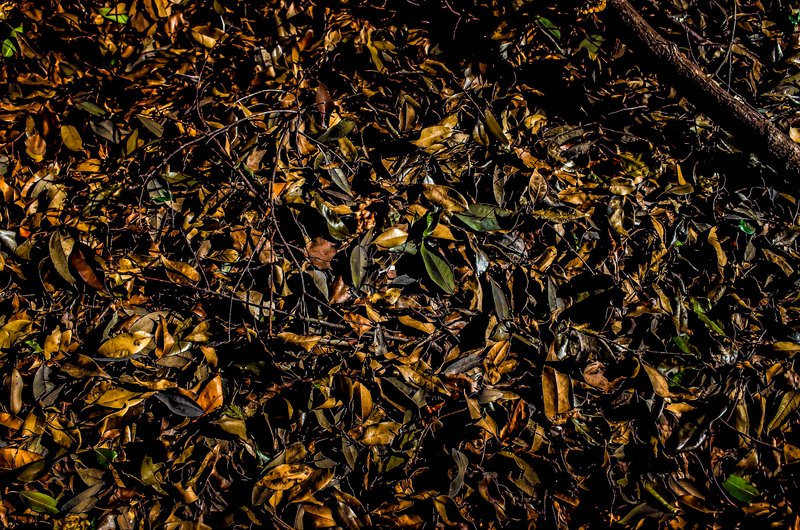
x=210, y=398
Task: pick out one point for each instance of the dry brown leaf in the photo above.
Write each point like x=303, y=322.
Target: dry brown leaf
x=321, y=252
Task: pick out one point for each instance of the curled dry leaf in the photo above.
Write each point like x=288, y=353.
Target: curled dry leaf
x=324, y=102
x=61, y=246
x=380, y=433
x=85, y=270
x=15, y=387
x=36, y=147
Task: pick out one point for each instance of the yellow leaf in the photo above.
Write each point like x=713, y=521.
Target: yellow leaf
x=786, y=347
x=445, y=197
x=425, y=327
x=556, y=389
x=495, y=129
x=91, y=165
x=363, y=399
x=432, y=135
x=10, y=421
x=497, y=353
x=120, y=398
x=182, y=268
x=380, y=433
x=443, y=232
x=12, y=331
x=199, y=333
x=391, y=238
x=61, y=245
x=659, y=382
x=306, y=342
x=71, y=138
x=125, y=344
x=15, y=387
x=207, y=36
x=722, y=259
x=789, y=403
x=285, y=476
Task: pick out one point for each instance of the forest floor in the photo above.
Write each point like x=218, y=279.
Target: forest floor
x=359, y=265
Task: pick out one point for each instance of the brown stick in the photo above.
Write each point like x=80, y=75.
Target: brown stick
x=753, y=129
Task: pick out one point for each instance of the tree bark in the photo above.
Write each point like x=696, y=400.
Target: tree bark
x=754, y=131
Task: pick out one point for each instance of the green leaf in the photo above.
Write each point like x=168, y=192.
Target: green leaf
x=438, y=270
x=111, y=14
x=151, y=125
x=336, y=227
x=548, y=26
x=500, y=301
x=340, y=130
x=40, y=502
x=682, y=342
x=9, y=50
x=740, y=489
x=745, y=227
x=700, y=311
x=592, y=44
x=359, y=259
x=340, y=179
x=104, y=457
x=482, y=217
x=17, y=31
x=431, y=220
x=91, y=108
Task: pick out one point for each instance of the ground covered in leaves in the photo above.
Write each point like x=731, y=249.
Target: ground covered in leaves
x=363, y=265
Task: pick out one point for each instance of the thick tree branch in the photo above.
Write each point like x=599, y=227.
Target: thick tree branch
x=749, y=126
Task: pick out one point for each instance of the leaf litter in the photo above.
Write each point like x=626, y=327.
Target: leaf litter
x=391, y=266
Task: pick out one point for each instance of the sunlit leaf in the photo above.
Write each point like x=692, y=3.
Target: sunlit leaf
x=391, y=238
x=740, y=489
x=40, y=502
x=125, y=345
x=111, y=14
